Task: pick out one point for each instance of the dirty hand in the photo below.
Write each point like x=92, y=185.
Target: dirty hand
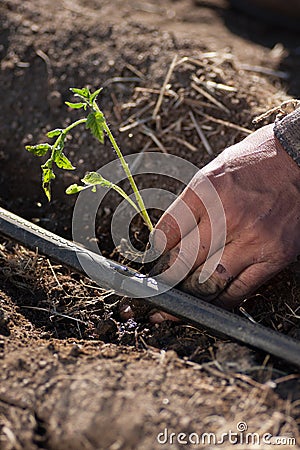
x=259, y=186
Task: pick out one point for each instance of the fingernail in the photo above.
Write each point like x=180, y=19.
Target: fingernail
x=157, y=318
x=160, y=316
x=126, y=312
x=209, y=289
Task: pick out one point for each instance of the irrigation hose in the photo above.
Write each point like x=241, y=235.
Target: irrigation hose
x=110, y=275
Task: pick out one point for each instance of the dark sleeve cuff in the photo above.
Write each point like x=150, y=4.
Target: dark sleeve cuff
x=287, y=131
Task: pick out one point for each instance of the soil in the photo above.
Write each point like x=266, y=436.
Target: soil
x=74, y=374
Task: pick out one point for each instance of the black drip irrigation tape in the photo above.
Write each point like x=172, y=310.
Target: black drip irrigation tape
x=110, y=275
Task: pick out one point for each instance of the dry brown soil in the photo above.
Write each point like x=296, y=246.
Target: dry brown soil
x=73, y=374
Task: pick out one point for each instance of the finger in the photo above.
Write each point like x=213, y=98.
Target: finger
x=126, y=312
x=179, y=219
x=232, y=271
x=232, y=262
x=247, y=282
x=191, y=252
x=161, y=316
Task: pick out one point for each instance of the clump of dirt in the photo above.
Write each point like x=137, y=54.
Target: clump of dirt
x=73, y=372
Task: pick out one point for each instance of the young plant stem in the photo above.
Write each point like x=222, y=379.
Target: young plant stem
x=139, y=199
x=65, y=132
x=74, y=124
x=115, y=187
x=141, y=206
x=125, y=196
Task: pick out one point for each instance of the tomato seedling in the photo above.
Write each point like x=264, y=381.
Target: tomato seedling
x=96, y=123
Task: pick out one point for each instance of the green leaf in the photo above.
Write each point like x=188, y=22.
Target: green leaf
x=83, y=93
x=38, y=150
x=92, y=178
x=47, y=177
x=76, y=105
x=53, y=133
x=74, y=189
x=62, y=161
x=95, y=122
x=95, y=94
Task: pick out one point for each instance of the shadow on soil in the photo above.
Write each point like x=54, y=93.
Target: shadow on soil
x=268, y=35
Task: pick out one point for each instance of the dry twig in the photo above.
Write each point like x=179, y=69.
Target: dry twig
x=209, y=97
x=226, y=123
x=165, y=83
x=201, y=134
x=154, y=138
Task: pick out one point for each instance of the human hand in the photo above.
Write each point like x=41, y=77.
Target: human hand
x=259, y=185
